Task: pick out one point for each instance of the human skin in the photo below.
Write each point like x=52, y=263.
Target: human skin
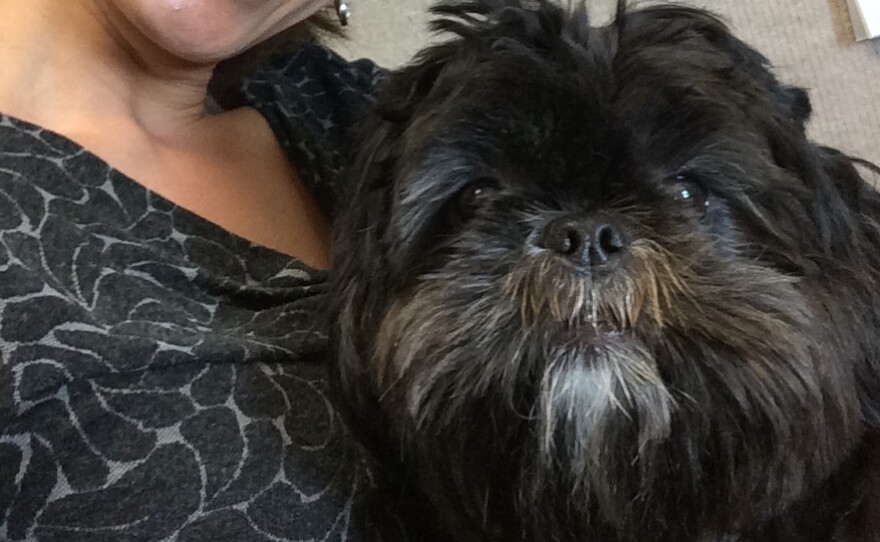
x=128, y=79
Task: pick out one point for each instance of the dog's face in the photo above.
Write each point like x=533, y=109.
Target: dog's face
x=598, y=283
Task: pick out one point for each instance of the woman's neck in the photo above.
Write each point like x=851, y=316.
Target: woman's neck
x=77, y=62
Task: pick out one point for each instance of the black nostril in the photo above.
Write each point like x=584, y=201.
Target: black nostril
x=563, y=237
x=571, y=243
x=608, y=240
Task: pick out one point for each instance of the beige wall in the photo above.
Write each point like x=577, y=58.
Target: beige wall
x=810, y=42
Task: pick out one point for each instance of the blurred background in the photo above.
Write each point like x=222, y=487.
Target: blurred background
x=810, y=42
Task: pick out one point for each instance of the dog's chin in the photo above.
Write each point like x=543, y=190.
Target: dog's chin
x=601, y=398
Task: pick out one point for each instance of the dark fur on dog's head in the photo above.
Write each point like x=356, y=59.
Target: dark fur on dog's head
x=596, y=284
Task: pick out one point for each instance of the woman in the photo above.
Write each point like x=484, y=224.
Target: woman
x=161, y=370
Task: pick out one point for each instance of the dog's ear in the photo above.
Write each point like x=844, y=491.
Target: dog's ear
x=861, y=236
x=359, y=291
x=361, y=234
x=794, y=104
x=359, y=251
x=845, y=210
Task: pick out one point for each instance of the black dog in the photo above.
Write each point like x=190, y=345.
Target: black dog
x=596, y=285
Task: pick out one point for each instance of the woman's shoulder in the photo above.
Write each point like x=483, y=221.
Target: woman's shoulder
x=312, y=99
x=316, y=63
x=314, y=86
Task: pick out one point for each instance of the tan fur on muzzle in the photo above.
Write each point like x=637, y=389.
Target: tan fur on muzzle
x=547, y=286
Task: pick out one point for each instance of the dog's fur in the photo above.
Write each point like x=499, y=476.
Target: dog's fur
x=707, y=370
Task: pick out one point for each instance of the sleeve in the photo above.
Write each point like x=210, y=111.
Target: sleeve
x=313, y=99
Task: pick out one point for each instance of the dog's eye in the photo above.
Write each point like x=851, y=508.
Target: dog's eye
x=688, y=190
x=475, y=194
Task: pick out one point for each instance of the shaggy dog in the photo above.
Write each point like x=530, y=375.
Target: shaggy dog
x=596, y=284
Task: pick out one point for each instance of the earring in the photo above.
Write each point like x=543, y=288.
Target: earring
x=343, y=12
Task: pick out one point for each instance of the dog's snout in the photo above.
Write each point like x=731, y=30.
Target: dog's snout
x=591, y=240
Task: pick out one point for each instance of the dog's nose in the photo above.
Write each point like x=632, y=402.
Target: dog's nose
x=592, y=239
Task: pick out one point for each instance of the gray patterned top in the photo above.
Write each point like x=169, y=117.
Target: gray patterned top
x=161, y=378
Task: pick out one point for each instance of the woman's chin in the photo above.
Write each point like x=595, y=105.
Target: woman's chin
x=209, y=31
